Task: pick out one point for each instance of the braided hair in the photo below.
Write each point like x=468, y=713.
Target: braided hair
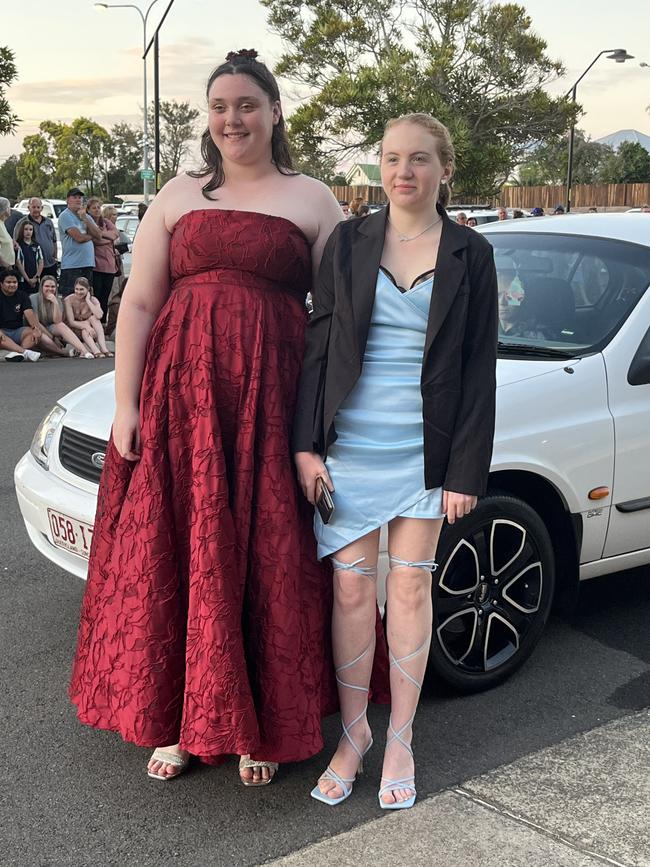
x=243, y=62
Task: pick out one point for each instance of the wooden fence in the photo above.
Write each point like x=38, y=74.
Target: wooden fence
x=369, y=194
x=583, y=196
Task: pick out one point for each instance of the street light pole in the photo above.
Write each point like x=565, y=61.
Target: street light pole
x=619, y=55
x=145, y=130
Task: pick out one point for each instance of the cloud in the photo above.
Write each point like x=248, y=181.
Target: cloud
x=83, y=92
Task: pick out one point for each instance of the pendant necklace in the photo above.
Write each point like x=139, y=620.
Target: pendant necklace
x=403, y=238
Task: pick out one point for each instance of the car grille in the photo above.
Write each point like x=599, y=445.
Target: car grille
x=76, y=450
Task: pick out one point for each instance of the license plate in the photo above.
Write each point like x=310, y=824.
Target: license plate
x=70, y=534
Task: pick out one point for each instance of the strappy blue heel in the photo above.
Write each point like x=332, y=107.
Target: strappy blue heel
x=329, y=774
x=396, y=736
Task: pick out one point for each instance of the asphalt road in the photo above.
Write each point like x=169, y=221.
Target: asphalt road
x=73, y=796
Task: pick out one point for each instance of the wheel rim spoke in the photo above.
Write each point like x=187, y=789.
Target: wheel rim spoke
x=489, y=591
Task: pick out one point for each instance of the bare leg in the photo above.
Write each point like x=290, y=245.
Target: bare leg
x=48, y=345
x=99, y=334
x=87, y=337
x=412, y=544
x=353, y=642
x=9, y=345
x=61, y=330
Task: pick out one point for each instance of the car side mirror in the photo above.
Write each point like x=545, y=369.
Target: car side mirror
x=639, y=372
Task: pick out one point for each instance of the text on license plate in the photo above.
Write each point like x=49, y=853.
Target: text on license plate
x=70, y=534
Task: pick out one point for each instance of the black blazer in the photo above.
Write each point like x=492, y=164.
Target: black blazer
x=458, y=368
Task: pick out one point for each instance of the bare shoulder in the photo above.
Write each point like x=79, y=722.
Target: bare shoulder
x=179, y=194
x=315, y=189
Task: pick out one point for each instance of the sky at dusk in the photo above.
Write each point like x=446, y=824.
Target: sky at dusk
x=74, y=60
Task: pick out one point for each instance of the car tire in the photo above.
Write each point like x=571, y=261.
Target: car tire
x=492, y=593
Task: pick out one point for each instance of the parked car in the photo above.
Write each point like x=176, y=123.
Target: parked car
x=481, y=215
x=128, y=224
x=51, y=207
x=569, y=487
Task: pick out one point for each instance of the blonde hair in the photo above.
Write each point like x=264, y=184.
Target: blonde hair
x=43, y=312
x=443, y=141
x=109, y=212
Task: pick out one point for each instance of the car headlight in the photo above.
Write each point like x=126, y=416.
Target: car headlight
x=40, y=447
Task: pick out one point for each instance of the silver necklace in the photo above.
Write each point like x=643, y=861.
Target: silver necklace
x=403, y=238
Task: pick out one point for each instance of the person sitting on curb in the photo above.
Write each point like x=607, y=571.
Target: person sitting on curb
x=49, y=312
x=83, y=314
x=14, y=337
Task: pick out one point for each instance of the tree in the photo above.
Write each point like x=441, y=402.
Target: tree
x=81, y=154
x=9, y=183
x=8, y=73
x=315, y=165
x=547, y=163
x=478, y=67
x=35, y=167
x=126, y=158
x=629, y=165
x=177, y=130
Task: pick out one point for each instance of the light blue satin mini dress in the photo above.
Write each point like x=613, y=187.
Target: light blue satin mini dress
x=377, y=461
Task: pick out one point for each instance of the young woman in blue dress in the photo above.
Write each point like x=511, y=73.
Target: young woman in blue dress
x=396, y=417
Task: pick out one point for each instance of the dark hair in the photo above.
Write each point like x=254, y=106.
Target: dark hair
x=363, y=211
x=244, y=62
x=8, y=272
x=517, y=214
x=19, y=233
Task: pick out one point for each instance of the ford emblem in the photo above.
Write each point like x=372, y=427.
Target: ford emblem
x=97, y=460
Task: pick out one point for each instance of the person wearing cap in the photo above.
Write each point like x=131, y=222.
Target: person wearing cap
x=77, y=229
x=537, y=212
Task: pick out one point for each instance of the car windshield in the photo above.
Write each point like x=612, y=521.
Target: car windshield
x=128, y=225
x=565, y=294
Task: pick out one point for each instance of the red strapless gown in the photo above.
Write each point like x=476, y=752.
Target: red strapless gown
x=206, y=617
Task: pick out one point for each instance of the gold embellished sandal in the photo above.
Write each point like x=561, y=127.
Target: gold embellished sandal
x=246, y=762
x=161, y=755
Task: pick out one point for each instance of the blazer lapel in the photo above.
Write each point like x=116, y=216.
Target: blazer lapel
x=450, y=272
x=366, y=252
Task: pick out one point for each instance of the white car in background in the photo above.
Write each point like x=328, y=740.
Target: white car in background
x=51, y=207
x=569, y=488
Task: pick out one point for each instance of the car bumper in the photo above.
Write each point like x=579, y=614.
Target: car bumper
x=37, y=491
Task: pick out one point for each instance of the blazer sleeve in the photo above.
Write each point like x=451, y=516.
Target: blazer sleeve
x=306, y=435
x=472, y=441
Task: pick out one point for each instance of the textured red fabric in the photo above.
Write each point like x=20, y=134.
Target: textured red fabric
x=206, y=617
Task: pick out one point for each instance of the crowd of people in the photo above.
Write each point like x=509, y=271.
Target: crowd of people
x=59, y=309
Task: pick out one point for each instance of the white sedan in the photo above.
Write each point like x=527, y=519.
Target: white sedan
x=569, y=490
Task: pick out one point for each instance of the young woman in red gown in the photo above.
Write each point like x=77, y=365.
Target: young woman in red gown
x=205, y=623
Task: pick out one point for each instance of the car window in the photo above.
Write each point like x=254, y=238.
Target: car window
x=566, y=292
x=58, y=209
x=128, y=225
